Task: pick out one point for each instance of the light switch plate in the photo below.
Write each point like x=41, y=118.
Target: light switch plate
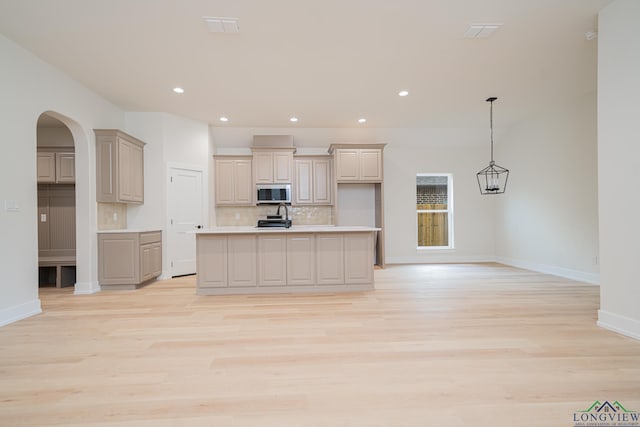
x=11, y=206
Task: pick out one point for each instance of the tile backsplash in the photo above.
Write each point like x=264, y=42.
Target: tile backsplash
x=300, y=215
x=112, y=216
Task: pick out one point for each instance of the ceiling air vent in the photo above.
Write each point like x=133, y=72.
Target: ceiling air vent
x=222, y=25
x=480, y=31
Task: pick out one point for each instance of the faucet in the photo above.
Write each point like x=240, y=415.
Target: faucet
x=286, y=211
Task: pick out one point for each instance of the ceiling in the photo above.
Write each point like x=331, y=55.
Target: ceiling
x=327, y=62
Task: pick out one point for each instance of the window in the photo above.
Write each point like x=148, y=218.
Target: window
x=434, y=208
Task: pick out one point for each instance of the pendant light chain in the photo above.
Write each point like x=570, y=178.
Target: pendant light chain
x=491, y=126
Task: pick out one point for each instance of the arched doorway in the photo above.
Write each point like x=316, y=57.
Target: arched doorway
x=56, y=195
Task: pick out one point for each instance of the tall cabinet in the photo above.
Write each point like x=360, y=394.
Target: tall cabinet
x=361, y=164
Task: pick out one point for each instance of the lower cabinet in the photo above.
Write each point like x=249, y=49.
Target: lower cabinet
x=272, y=260
x=211, y=262
x=284, y=262
x=358, y=258
x=128, y=259
x=301, y=259
x=330, y=258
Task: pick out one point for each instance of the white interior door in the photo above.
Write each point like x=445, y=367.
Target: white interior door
x=186, y=214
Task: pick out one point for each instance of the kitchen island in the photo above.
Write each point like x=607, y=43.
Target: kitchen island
x=251, y=260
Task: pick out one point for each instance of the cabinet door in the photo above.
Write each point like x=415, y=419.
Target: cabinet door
x=358, y=250
x=241, y=260
x=348, y=164
x=105, y=173
x=301, y=259
x=65, y=168
x=146, y=262
x=125, y=165
x=157, y=258
x=263, y=167
x=303, y=182
x=150, y=261
x=211, y=261
x=243, y=184
x=272, y=260
x=330, y=259
x=282, y=166
x=46, y=167
x=224, y=175
x=370, y=165
x=322, y=181
x=118, y=259
x=130, y=172
x=136, y=173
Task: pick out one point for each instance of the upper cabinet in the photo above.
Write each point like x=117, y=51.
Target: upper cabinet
x=233, y=183
x=313, y=181
x=273, y=166
x=119, y=167
x=55, y=167
x=358, y=164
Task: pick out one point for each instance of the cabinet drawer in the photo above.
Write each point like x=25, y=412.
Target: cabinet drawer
x=151, y=237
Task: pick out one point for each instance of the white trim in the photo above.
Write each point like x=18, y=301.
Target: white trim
x=620, y=324
x=20, y=311
x=86, y=288
x=567, y=273
x=439, y=258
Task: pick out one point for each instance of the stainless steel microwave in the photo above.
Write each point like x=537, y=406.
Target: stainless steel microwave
x=273, y=194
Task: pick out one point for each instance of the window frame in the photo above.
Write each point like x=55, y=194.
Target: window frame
x=449, y=212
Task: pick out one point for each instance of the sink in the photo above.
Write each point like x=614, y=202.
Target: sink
x=269, y=223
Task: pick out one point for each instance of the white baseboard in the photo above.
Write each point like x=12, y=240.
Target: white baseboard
x=438, y=258
x=567, y=273
x=86, y=288
x=166, y=275
x=620, y=324
x=19, y=312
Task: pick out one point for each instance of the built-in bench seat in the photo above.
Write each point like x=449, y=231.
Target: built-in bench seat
x=65, y=270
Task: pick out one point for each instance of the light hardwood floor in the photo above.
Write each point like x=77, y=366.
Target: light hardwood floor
x=433, y=345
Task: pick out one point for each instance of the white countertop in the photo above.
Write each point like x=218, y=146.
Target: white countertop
x=293, y=229
x=129, y=230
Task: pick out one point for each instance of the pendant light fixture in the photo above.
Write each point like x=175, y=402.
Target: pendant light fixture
x=493, y=178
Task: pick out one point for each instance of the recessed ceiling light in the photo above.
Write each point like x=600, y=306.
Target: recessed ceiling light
x=403, y=93
x=293, y=119
x=362, y=120
x=224, y=119
x=222, y=25
x=178, y=90
x=481, y=31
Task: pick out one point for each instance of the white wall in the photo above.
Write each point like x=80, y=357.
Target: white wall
x=409, y=151
x=170, y=141
x=30, y=87
x=547, y=218
x=618, y=159
x=460, y=152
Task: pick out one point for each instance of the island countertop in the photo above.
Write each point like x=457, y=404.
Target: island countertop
x=293, y=229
